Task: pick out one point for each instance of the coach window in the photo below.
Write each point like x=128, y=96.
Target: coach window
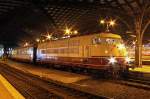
x=43, y=51
x=62, y=51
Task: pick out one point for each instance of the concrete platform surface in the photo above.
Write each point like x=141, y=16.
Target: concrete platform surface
x=55, y=75
x=7, y=91
x=113, y=90
x=87, y=84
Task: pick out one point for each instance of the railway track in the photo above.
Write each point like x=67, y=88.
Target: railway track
x=138, y=77
x=141, y=84
x=145, y=82
x=34, y=88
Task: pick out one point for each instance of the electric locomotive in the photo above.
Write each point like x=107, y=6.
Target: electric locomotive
x=96, y=51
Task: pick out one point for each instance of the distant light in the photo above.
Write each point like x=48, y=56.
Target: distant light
x=102, y=21
x=133, y=35
x=68, y=36
x=26, y=44
x=112, y=60
x=133, y=43
x=43, y=40
x=75, y=32
x=38, y=40
x=64, y=37
x=48, y=36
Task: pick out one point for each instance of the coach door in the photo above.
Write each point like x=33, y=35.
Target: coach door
x=87, y=51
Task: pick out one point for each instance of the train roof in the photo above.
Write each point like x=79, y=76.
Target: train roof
x=109, y=35
x=24, y=47
x=101, y=35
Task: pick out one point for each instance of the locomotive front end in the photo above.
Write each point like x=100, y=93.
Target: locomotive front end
x=119, y=60
x=114, y=50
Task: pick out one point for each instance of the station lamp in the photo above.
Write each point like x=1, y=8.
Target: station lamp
x=48, y=36
x=102, y=21
x=67, y=31
x=26, y=44
x=112, y=22
x=109, y=23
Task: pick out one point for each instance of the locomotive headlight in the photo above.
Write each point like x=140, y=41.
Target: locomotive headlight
x=127, y=59
x=112, y=60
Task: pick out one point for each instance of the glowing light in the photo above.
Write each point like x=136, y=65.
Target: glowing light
x=75, y=32
x=121, y=46
x=112, y=23
x=112, y=60
x=127, y=59
x=133, y=43
x=68, y=36
x=48, y=36
x=67, y=31
x=106, y=51
x=55, y=38
x=26, y=44
x=30, y=51
x=43, y=40
x=102, y=21
x=133, y=36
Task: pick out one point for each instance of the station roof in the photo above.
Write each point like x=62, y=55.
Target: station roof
x=26, y=20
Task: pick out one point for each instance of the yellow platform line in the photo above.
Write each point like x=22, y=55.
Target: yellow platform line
x=144, y=69
x=12, y=91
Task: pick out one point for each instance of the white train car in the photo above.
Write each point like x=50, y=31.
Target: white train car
x=24, y=54
x=97, y=51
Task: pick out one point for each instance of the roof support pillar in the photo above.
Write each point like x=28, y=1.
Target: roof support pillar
x=138, y=51
x=140, y=27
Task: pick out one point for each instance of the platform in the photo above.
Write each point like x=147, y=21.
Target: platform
x=142, y=73
x=144, y=69
x=55, y=75
x=84, y=83
x=7, y=91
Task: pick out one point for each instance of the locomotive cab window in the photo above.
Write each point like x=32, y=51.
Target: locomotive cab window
x=99, y=40
x=96, y=40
